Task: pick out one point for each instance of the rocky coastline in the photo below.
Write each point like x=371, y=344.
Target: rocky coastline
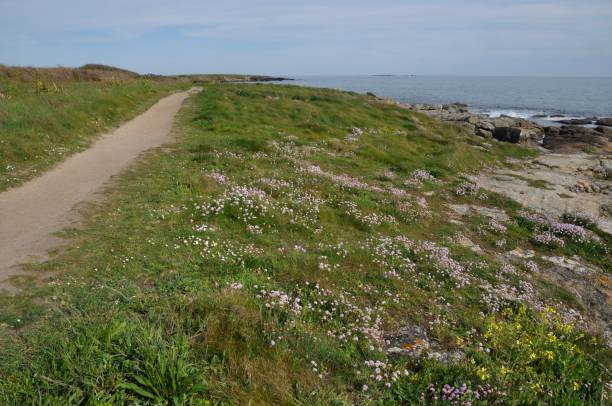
x=573, y=173
x=590, y=135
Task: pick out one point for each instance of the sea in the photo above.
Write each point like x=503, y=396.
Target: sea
x=542, y=99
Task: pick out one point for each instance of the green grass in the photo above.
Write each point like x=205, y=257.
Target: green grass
x=182, y=287
x=43, y=122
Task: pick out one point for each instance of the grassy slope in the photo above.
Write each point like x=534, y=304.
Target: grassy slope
x=42, y=122
x=175, y=289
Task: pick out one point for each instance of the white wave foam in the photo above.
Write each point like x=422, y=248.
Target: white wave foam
x=513, y=113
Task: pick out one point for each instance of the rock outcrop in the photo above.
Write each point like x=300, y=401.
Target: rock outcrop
x=578, y=121
x=504, y=128
x=571, y=139
x=607, y=121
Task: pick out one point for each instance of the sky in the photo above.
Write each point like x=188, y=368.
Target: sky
x=316, y=37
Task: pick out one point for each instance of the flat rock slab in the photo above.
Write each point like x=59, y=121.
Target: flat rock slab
x=549, y=184
x=490, y=212
x=31, y=213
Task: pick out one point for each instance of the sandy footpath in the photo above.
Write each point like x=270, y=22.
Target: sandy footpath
x=29, y=214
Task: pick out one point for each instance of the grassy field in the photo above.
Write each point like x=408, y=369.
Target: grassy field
x=296, y=246
x=42, y=121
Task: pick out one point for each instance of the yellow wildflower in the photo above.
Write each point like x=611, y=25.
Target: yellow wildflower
x=482, y=373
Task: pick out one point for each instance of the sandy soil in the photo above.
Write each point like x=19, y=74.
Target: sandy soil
x=548, y=183
x=31, y=213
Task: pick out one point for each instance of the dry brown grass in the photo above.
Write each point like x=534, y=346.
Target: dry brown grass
x=105, y=73
x=87, y=73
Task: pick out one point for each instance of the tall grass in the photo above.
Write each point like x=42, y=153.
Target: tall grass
x=43, y=121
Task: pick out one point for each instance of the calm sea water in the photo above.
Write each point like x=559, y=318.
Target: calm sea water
x=514, y=96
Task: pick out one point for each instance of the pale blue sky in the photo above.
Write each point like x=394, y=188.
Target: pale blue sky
x=447, y=37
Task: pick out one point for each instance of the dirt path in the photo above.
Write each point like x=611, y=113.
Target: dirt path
x=29, y=214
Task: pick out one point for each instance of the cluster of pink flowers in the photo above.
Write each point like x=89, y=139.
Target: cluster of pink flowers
x=324, y=264
x=343, y=180
x=461, y=395
x=250, y=203
x=466, y=189
x=277, y=299
x=498, y=297
x=224, y=251
x=496, y=226
x=349, y=182
x=411, y=211
x=418, y=177
x=275, y=184
x=396, y=191
x=218, y=177
x=389, y=175
x=391, y=253
x=369, y=219
x=339, y=249
x=254, y=229
x=382, y=371
x=547, y=238
x=442, y=259
x=532, y=266
x=554, y=226
x=422, y=203
x=227, y=154
x=394, y=255
x=345, y=320
x=302, y=206
x=203, y=228
x=507, y=269
x=470, y=189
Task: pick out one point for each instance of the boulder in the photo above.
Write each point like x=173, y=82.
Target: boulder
x=508, y=129
x=570, y=139
x=485, y=125
x=504, y=122
x=508, y=134
x=607, y=121
x=532, y=136
x=456, y=108
x=484, y=133
x=578, y=121
x=606, y=167
x=605, y=131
